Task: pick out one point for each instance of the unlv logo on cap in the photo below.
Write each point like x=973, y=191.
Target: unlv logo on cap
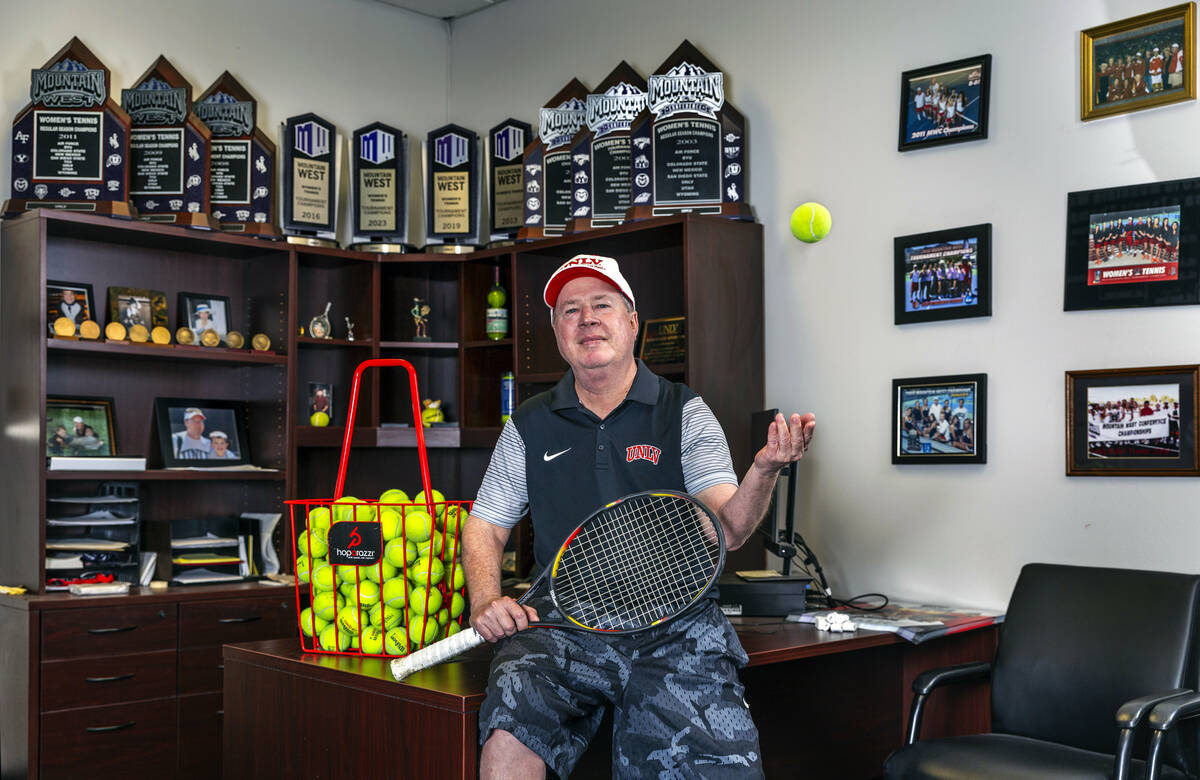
x=584, y=260
x=642, y=452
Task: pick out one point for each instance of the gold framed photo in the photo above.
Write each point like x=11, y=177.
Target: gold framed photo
x=1141, y=62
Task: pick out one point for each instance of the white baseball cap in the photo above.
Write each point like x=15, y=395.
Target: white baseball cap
x=219, y=435
x=77, y=419
x=598, y=266
x=193, y=412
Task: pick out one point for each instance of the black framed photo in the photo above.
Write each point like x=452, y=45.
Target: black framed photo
x=135, y=306
x=940, y=419
x=1133, y=246
x=1132, y=422
x=195, y=432
x=201, y=311
x=943, y=275
x=79, y=426
x=945, y=104
x=320, y=401
x=73, y=300
x=1140, y=62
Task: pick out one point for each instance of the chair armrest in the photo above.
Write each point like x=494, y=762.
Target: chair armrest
x=1162, y=718
x=925, y=682
x=1129, y=717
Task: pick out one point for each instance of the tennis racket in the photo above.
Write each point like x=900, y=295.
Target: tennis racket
x=633, y=564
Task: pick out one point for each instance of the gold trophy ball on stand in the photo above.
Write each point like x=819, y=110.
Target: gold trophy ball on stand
x=234, y=340
x=160, y=335
x=138, y=334
x=260, y=342
x=64, y=326
x=210, y=338
x=114, y=331
x=89, y=329
x=185, y=336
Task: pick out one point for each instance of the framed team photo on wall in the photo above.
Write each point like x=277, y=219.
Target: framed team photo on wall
x=945, y=104
x=939, y=419
x=1133, y=246
x=1132, y=422
x=1140, y=62
x=943, y=275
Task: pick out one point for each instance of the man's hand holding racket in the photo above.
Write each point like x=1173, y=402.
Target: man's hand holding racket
x=501, y=616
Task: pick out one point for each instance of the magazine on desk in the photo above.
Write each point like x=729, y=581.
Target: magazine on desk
x=915, y=622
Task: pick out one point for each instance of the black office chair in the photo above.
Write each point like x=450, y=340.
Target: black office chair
x=1084, y=655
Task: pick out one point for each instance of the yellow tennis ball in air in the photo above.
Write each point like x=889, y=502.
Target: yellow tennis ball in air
x=811, y=222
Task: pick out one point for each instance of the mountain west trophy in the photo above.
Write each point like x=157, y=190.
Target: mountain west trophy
x=689, y=145
x=379, y=189
x=548, y=181
x=168, y=149
x=506, y=149
x=452, y=190
x=71, y=142
x=242, y=167
x=601, y=152
x=308, y=180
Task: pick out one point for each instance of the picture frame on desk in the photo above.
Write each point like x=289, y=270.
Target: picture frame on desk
x=1133, y=246
x=73, y=300
x=1133, y=422
x=79, y=426
x=201, y=433
x=943, y=275
x=924, y=432
x=946, y=103
x=202, y=311
x=137, y=306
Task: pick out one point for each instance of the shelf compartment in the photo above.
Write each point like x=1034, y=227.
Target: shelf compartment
x=487, y=343
x=421, y=345
x=168, y=475
x=332, y=436
x=309, y=341
x=206, y=354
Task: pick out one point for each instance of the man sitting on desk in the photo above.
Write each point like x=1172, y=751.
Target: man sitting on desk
x=610, y=427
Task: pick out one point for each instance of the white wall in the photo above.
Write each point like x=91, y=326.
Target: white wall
x=819, y=83
x=351, y=61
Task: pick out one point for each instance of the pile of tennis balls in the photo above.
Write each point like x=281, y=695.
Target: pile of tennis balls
x=413, y=596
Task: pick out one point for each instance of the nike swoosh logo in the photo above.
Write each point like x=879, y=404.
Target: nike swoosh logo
x=546, y=456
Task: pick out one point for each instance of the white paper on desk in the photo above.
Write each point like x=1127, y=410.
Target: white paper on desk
x=64, y=562
x=266, y=529
x=99, y=517
x=208, y=540
x=193, y=576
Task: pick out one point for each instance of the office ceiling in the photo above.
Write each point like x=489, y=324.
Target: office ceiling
x=443, y=9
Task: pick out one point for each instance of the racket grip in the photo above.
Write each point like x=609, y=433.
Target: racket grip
x=435, y=653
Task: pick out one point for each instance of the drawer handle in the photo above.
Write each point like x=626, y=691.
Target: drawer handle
x=110, y=630
x=220, y=667
x=247, y=619
x=110, y=679
x=118, y=727
x=220, y=713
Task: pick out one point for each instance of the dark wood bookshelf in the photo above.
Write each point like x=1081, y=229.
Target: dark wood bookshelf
x=168, y=352
x=333, y=436
x=418, y=345
x=308, y=341
x=488, y=343
x=168, y=475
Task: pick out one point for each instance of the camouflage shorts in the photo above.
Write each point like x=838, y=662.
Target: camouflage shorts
x=678, y=708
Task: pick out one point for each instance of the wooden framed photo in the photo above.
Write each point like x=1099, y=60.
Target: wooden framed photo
x=943, y=275
x=945, y=104
x=81, y=427
x=195, y=432
x=1140, y=62
x=201, y=311
x=135, y=306
x=1132, y=422
x=1133, y=246
x=73, y=300
x=940, y=419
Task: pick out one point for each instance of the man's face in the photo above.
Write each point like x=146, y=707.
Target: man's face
x=591, y=324
x=195, y=426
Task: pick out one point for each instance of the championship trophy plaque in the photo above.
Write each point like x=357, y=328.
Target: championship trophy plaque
x=689, y=145
x=71, y=142
x=601, y=153
x=311, y=161
x=506, y=147
x=379, y=189
x=242, y=167
x=168, y=149
x=548, y=180
x=452, y=190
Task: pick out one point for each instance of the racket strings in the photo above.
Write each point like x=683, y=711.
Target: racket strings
x=641, y=561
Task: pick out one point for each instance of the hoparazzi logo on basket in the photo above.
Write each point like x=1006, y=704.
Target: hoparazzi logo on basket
x=688, y=88
x=557, y=126
x=155, y=102
x=226, y=116
x=615, y=109
x=355, y=544
x=68, y=84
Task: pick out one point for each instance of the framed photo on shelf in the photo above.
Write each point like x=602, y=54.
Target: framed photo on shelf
x=195, y=432
x=134, y=306
x=201, y=311
x=73, y=300
x=940, y=419
x=1132, y=422
x=1140, y=62
x=943, y=275
x=945, y=104
x=1133, y=246
x=320, y=399
x=80, y=427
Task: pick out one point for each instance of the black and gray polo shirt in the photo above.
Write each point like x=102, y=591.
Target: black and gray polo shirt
x=560, y=462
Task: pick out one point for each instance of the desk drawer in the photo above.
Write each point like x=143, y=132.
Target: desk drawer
x=86, y=682
x=200, y=669
x=200, y=720
x=120, y=742
x=72, y=633
x=236, y=620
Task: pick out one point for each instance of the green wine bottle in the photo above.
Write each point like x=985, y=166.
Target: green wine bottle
x=497, y=315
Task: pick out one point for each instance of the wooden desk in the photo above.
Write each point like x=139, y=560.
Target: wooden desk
x=826, y=705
